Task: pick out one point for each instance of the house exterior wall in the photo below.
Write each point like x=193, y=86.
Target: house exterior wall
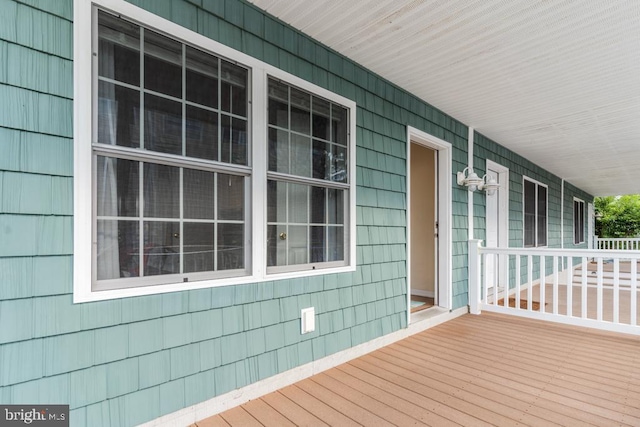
x=519, y=167
x=130, y=360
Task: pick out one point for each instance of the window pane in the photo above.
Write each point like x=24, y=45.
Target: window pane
x=338, y=164
x=542, y=216
x=118, y=115
x=339, y=125
x=198, y=247
x=199, y=194
x=230, y=246
x=162, y=125
x=234, y=141
x=321, y=122
x=278, y=150
x=336, y=206
x=202, y=133
x=276, y=247
x=118, y=249
x=321, y=160
x=202, y=78
x=234, y=89
x=118, y=185
x=278, y=104
x=300, y=155
x=318, y=205
x=118, y=49
x=276, y=201
x=576, y=223
x=230, y=197
x=161, y=191
x=318, y=244
x=300, y=111
x=161, y=248
x=336, y=244
x=162, y=64
x=298, y=203
x=297, y=239
x=529, y=213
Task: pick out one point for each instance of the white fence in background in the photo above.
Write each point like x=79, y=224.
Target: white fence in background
x=621, y=243
x=592, y=288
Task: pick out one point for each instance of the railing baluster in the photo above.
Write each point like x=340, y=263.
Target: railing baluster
x=555, y=284
x=543, y=284
x=599, y=289
x=485, y=280
x=529, y=281
x=569, y=286
x=583, y=284
x=616, y=290
x=634, y=292
x=518, y=281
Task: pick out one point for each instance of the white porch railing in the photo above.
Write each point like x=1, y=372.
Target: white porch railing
x=592, y=288
x=621, y=243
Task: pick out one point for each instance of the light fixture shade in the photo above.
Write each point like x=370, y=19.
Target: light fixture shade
x=471, y=180
x=490, y=185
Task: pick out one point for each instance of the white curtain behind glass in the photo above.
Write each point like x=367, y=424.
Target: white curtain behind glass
x=108, y=246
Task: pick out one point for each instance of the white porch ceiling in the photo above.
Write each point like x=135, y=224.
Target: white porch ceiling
x=556, y=81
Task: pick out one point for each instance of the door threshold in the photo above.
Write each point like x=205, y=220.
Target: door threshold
x=433, y=316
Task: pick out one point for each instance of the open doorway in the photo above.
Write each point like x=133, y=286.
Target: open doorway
x=424, y=226
x=429, y=224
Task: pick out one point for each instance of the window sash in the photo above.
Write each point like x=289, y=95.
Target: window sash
x=307, y=154
x=578, y=221
x=189, y=248
x=535, y=226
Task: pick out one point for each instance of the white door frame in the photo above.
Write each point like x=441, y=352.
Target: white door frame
x=503, y=219
x=444, y=207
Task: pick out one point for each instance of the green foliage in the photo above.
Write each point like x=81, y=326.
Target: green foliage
x=618, y=216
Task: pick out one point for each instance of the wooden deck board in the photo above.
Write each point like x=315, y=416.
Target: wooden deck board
x=266, y=414
x=292, y=411
x=474, y=370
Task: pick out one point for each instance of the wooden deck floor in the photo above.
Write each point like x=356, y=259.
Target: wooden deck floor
x=473, y=371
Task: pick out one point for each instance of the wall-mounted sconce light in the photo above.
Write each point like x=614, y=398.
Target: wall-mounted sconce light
x=469, y=178
x=473, y=182
x=490, y=185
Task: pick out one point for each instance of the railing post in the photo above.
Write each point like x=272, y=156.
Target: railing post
x=474, y=276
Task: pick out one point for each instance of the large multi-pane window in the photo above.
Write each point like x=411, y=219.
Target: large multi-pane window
x=307, y=185
x=171, y=159
x=578, y=221
x=535, y=214
x=192, y=182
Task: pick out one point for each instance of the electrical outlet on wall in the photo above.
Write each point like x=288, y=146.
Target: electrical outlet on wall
x=307, y=320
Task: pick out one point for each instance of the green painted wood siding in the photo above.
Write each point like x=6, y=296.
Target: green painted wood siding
x=124, y=362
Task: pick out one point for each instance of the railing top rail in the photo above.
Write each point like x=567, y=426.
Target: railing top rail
x=589, y=253
x=618, y=238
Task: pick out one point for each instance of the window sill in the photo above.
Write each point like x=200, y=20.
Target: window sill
x=82, y=294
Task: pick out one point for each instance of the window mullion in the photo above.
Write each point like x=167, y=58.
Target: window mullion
x=141, y=220
x=216, y=222
x=184, y=153
x=141, y=272
x=259, y=162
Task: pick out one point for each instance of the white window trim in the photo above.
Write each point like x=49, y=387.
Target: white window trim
x=575, y=199
x=84, y=91
x=538, y=183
